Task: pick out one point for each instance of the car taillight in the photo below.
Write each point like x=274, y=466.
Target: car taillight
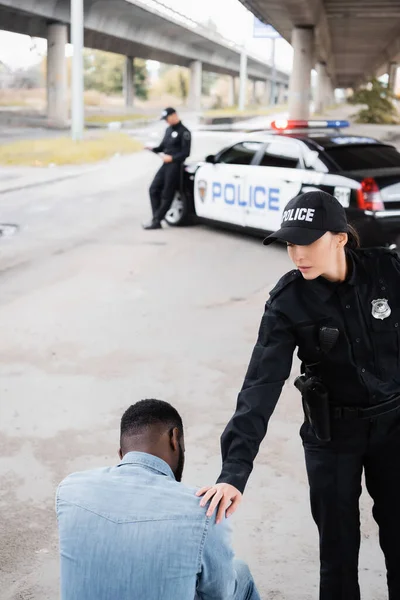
x=369, y=195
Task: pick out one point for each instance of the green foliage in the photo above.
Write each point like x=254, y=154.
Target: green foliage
x=140, y=81
x=104, y=72
x=208, y=81
x=379, y=101
x=174, y=81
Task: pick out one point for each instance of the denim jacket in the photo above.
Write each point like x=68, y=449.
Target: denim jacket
x=132, y=532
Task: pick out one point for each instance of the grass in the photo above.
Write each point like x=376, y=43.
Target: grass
x=110, y=118
x=13, y=103
x=248, y=112
x=63, y=151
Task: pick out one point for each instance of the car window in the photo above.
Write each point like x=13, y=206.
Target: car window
x=352, y=158
x=240, y=154
x=281, y=154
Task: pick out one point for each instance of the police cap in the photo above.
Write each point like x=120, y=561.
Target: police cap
x=308, y=217
x=167, y=112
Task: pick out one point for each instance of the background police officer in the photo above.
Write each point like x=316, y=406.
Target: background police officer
x=175, y=148
x=341, y=309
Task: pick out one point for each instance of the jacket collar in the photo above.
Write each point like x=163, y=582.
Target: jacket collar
x=147, y=460
x=357, y=276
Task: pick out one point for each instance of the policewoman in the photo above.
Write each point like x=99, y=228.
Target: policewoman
x=341, y=309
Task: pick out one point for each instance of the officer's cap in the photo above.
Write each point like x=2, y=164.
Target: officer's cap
x=308, y=217
x=167, y=112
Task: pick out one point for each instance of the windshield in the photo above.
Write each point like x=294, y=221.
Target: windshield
x=353, y=158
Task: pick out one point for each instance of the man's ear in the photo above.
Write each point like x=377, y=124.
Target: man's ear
x=174, y=438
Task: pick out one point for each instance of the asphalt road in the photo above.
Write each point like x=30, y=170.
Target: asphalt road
x=96, y=314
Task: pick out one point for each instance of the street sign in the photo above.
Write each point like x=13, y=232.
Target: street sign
x=262, y=30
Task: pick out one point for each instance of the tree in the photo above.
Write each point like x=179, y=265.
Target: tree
x=141, y=79
x=174, y=80
x=379, y=101
x=29, y=78
x=208, y=81
x=104, y=72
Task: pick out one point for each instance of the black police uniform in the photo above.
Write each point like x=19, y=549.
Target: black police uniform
x=176, y=143
x=361, y=373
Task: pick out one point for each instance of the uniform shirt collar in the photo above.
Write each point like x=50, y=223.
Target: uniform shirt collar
x=148, y=460
x=357, y=275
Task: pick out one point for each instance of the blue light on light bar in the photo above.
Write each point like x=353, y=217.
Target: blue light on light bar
x=285, y=124
x=337, y=124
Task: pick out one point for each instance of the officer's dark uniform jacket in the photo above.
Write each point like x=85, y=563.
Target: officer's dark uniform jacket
x=362, y=369
x=176, y=143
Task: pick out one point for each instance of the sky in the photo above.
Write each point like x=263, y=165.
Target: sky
x=233, y=21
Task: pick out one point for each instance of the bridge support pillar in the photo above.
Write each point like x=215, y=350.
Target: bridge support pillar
x=392, y=70
x=243, y=80
x=300, y=78
x=57, y=78
x=267, y=93
x=196, y=77
x=254, y=92
x=129, y=76
x=321, y=89
x=330, y=92
x=281, y=94
x=231, y=91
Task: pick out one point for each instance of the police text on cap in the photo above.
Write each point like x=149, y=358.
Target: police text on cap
x=300, y=214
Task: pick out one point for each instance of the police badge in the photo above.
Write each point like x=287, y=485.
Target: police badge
x=381, y=309
x=202, y=187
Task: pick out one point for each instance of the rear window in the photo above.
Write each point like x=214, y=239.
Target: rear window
x=353, y=158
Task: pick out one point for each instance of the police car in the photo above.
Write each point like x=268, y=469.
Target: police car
x=248, y=184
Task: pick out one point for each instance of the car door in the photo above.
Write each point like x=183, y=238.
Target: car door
x=276, y=179
x=220, y=189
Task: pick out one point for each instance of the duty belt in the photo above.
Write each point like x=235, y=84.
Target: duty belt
x=355, y=412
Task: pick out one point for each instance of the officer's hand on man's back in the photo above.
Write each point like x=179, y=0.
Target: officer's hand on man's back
x=224, y=496
x=167, y=158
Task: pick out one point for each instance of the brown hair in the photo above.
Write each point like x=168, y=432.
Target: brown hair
x=354, y=239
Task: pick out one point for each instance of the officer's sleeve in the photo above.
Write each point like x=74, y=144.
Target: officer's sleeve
x=186, y=142
x=269, y=367
x=161, y=147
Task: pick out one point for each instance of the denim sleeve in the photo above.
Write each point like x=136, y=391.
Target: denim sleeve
x=217, y=577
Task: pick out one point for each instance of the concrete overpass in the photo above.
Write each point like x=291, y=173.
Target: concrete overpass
x=347, y=41
x=131, y=28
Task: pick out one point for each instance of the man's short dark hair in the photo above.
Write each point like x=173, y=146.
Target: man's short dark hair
x=147, y=413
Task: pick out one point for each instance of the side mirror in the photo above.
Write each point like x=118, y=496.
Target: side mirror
x=210, y=159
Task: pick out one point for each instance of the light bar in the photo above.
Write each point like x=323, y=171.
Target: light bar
x=284, y=124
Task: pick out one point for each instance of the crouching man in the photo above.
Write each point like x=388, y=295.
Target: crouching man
x=135, y=532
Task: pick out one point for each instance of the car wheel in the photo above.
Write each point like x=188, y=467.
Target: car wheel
x=179, y=213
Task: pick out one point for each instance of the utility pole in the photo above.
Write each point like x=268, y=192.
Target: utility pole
x=77, y=109
x=273, y=80
x=243, y=79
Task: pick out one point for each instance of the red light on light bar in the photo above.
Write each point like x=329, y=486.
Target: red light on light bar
x=280, y=124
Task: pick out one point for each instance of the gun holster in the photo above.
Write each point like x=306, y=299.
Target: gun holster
x=316, y=405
